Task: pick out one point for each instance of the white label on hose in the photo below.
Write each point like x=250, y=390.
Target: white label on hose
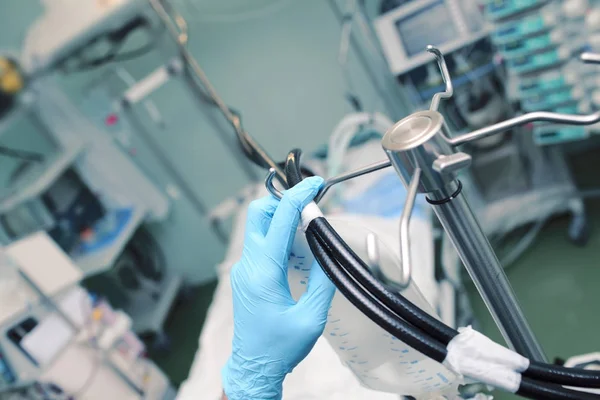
x=476, y=356
x=310, y=212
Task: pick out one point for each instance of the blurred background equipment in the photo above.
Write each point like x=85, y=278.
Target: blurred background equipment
x=114, y=140
x=58, y=340
x=540, y=44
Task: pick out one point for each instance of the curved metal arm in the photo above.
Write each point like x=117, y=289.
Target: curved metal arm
x=331, y=181
x=269, y=184
x=525, y=119
x=435, y=102
x=352, y=174
x=406, y=268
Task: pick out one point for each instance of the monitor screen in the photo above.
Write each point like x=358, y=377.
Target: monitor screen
x=430, y=25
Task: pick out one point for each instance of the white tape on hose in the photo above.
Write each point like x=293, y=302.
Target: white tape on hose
x=475, y=355
x=484, y=371
x=310, y=212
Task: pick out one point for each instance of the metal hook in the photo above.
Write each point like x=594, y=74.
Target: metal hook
x=435, y=102
x=269, y=184
x=331, y=181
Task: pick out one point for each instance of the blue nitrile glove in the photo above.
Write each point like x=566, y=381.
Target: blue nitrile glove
x=272, y=333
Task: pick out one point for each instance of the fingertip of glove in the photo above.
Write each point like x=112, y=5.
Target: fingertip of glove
x=313, y=181
x=307, y=188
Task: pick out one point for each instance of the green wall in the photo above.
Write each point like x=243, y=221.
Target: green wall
x=280, y=71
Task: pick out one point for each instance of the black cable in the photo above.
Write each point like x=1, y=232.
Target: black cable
x=360, y=271
x=577, y=377
x=118, y=39
x=292, y=170
x=370, y=307
x=87, y=65
x=532, y=389
x=396, y=302
x=341, y=254
x=407, y=333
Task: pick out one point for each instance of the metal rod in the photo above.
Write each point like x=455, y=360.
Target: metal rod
x=590, y=58
x=198, y=72
x=350, y=175
x=488, y=275
x=413, y=187
x=331, y=181
x=525, y=119
x=435, y=102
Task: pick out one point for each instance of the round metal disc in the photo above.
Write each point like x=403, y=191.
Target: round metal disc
x=413, y=131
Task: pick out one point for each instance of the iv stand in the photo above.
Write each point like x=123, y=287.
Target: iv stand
x=423, y=153
x=421, y=148
x=421, y=142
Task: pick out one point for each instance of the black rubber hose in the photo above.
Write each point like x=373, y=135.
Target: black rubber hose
x=560, y=375
x=403, y=307
x=529, y=388
x=394, y=301
x=370, y=307
x=360, y=271
x=532, y=389
x=293, y=171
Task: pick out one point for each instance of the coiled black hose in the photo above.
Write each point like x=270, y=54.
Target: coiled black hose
x=340, y=262
x=360, y=272
x=292, y=168
x=372, y=309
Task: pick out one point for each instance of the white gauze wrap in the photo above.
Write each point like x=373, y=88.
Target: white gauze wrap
x=310, y=212
x=476, y=356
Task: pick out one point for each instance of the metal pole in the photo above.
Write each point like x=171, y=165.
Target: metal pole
x=487, y=273
x=419, y=142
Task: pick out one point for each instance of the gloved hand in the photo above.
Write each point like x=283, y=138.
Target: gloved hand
x=272, y=332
